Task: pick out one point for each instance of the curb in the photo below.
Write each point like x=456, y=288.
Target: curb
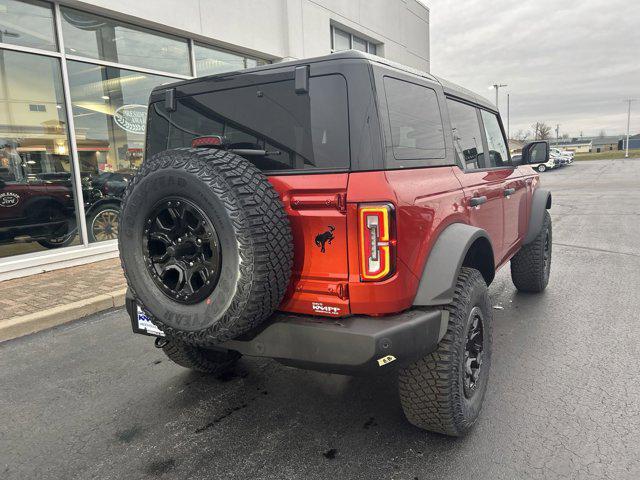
x=34, y=322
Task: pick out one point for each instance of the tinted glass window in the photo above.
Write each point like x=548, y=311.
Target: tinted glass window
x=414, y=116
x=28, y=24
x=498, y=152
x=277, y=128
x=467, y=137
x=98, y=37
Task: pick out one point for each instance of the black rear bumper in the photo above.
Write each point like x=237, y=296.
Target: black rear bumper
x=353, y=345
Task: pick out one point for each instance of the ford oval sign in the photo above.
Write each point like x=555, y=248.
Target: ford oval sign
x=9, y=199
x=131, y=118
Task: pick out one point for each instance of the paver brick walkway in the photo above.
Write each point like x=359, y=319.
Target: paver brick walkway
x=22, y=296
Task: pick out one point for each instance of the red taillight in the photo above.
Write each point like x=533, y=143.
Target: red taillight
x=208, y=141
x=377, y=245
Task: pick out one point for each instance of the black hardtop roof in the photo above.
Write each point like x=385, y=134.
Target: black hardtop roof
x=449, y=88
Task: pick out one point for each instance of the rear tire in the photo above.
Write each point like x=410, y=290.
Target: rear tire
x=443, y=392
x=531, y=266
x=200, y=359
x=541, y=168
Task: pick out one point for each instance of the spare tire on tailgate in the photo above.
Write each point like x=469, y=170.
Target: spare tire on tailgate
x=205, y=244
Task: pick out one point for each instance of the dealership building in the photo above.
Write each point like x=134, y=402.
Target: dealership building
x=75, y=77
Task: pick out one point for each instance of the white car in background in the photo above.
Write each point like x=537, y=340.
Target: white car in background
x=540, y=167
x=566, y=155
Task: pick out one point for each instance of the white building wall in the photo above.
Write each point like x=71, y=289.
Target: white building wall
x=283, y=29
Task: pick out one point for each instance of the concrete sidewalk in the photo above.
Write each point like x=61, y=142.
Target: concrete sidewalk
x=36, y=302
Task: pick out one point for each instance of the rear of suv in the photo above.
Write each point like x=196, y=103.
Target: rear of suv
x=343, y=214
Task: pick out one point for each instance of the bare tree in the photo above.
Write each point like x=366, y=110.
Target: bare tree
x=521, y=135
x=564, y=136
x=602, y=134
x=541, y=131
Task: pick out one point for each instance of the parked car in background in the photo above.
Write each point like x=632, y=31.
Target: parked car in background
x=565, y=156
x=540, y=167
x=40, y=207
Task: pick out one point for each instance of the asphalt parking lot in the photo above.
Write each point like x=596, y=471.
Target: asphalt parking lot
x=91, y=400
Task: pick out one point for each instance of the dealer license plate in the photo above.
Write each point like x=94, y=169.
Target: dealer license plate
x=146, y=325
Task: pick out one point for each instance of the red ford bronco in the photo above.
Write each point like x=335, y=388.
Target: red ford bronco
x=342, y=214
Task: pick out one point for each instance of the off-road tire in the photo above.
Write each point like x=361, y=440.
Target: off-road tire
x=254, y=237
x=529, y=271
x=198, y=358
x=432, y=389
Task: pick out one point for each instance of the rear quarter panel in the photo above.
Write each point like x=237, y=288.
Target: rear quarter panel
x=426, y=201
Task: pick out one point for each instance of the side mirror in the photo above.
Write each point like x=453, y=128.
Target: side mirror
x=535, y=153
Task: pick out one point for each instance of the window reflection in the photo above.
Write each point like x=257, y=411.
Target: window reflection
x=28, y=24
x=210, y=61
x=98, y=37
x=37, y=206
x=109, y=110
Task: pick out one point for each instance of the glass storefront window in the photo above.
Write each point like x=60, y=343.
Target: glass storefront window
x=28, y=24
x=109, y=111
x=37, y=205
x=210, y=61
x=93, y=36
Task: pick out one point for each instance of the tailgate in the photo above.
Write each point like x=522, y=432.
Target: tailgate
x=316, y=206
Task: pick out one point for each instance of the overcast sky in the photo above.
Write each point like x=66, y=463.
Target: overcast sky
x=568, y=62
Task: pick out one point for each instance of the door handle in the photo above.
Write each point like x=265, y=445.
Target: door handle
x=476, y=201
x=509, y=191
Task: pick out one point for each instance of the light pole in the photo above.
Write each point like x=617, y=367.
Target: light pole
x=497, y=87
x=628, y=100
x=508, y=122
x=557, y=133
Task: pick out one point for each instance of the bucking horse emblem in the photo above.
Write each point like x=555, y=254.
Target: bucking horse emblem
x=323, y=238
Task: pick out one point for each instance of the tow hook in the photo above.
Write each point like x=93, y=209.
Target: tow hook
x=161, y=342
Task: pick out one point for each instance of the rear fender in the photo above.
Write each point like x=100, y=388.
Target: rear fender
x=458, y=245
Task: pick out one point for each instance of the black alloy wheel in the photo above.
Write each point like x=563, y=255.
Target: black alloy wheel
x=546, y=254
x=181, y=250
x=473, y=352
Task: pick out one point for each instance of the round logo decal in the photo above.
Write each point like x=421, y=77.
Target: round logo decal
x=131, y=118
x=9, y=199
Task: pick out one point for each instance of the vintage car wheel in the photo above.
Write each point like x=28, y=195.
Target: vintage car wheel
x=102, y=223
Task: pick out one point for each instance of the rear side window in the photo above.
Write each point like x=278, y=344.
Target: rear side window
x=498, y=152
x=278, y=129
x=467, y=136
x=415, y=120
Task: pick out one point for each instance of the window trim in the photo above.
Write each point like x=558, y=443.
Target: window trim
x=483, y=132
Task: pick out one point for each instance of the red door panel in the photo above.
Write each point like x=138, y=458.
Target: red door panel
x=489, y=215
x=316, y=206
x=515, y=211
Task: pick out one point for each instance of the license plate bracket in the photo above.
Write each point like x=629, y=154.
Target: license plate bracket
x=142, y=323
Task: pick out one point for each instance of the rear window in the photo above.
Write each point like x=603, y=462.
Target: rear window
x=278, y=129
x=414, y=117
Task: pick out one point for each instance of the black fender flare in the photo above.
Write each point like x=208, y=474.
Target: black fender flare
x=540, y=202
x=445, y=260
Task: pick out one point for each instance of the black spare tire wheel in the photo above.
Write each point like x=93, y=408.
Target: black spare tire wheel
x=205, y=244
